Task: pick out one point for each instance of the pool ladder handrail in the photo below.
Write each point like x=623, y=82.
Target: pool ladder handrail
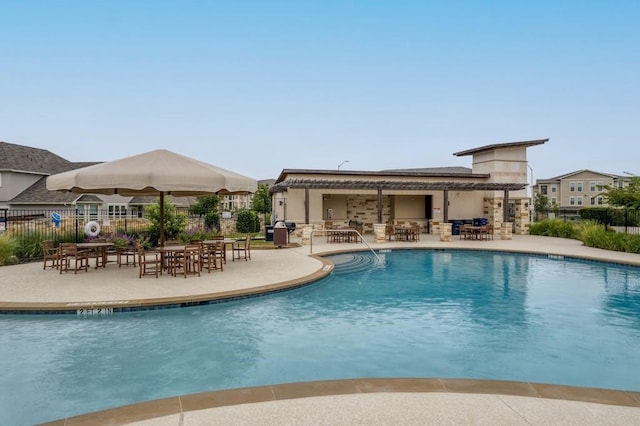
x=342, y=230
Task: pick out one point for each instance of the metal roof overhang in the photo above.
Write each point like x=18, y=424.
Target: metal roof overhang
x=395, y=185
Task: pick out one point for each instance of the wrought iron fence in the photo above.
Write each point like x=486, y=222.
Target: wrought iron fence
x=68, y=224
x=618, y=219
x=30, y=227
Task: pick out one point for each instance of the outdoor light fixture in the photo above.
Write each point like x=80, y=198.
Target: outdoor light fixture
x=339, y=165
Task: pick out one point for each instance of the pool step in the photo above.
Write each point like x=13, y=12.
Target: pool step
x=353, y=263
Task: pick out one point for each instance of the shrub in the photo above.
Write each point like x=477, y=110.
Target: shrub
x=247, y=222
x=174, y=222
x=8, y=247
x=30, y=243
x=194, y=234
x=554, y=228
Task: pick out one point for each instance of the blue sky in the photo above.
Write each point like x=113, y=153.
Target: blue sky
x=259, y=86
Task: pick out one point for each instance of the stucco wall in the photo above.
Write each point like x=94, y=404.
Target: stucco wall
x=13, y=184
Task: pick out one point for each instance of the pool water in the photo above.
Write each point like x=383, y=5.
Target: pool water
x=418, y=313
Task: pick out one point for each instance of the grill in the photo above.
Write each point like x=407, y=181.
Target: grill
x=291, y=226
x=280, y=238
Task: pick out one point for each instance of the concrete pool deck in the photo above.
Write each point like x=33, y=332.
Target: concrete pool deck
x=29, y=289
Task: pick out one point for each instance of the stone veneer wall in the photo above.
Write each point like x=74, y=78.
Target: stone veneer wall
x=493, y=212
x=364, y=208
x=521, y=220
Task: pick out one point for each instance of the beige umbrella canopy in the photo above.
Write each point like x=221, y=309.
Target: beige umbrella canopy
x=160, y=172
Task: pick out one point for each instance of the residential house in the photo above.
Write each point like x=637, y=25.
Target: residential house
x=23, y=172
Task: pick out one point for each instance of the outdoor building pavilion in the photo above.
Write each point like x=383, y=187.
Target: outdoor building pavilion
x=493, y=189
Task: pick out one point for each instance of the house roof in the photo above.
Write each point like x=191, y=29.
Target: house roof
x=567, y=175
x=491, y=147
x=39, y=194
x=25, y=159
x=394, y=185
x=36, y=161
x=151, y=199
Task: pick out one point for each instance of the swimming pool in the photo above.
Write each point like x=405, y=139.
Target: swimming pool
x=422, y=313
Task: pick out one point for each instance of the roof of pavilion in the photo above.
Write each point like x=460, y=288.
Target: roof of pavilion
x=410, y=185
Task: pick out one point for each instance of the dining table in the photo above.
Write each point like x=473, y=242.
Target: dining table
x=100, y=249
x=168, y=252
x=228, y=245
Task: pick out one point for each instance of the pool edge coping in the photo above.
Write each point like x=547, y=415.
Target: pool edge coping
x=55, y=308
x=180, y=405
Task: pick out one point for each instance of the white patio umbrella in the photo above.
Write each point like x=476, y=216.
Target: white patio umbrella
x=160, y=172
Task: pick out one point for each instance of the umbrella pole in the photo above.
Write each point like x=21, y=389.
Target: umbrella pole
x=161, y=219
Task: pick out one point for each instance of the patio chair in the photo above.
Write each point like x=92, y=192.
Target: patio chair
x=70, y=254
x=212, y=257
x=414, y=232
x=187, y=261
x=149, y=263
x=127, y=256
x=224, y=246
x=50, y=254
x=390, y=232
x=241, y=249
x=486, y=233
x=102, y=255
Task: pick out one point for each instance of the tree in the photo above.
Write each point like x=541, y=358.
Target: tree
x=262, y=200
x=541, y=204
x=174, y=223
x=628, y=196
x=207, y=207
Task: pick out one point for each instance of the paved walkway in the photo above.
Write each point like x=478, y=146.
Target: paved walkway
x=27, y=288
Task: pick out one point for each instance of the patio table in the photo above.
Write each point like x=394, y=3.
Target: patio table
x=100, y=249
x=227, y=242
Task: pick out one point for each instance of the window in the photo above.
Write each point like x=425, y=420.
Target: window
x=554, y=200
x=543, y=189
x=599, y=186
x=600, y=201
x=117, y=211
x=592, y=186
x=620, y=184
x=572, y=187
x=88, y=211
x=554, y=188
x=579, y=200
x=579, y=186
x=572, y=201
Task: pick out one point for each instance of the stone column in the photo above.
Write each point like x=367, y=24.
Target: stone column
x=522, y=216
x=306, y=234
x=378, y=232
x=506, y=231
x=445, y=231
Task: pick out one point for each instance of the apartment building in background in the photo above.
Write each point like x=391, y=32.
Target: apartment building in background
x=576, y=190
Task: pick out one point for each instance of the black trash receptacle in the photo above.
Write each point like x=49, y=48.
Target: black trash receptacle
x=268, y=233
x=455, y=226
x=480, y=221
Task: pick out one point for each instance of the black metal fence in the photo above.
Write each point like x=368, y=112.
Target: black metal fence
x=68, y=224
x=30, y=227
x=620, y=220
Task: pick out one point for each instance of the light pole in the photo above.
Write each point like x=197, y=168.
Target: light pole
x=340, y=165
